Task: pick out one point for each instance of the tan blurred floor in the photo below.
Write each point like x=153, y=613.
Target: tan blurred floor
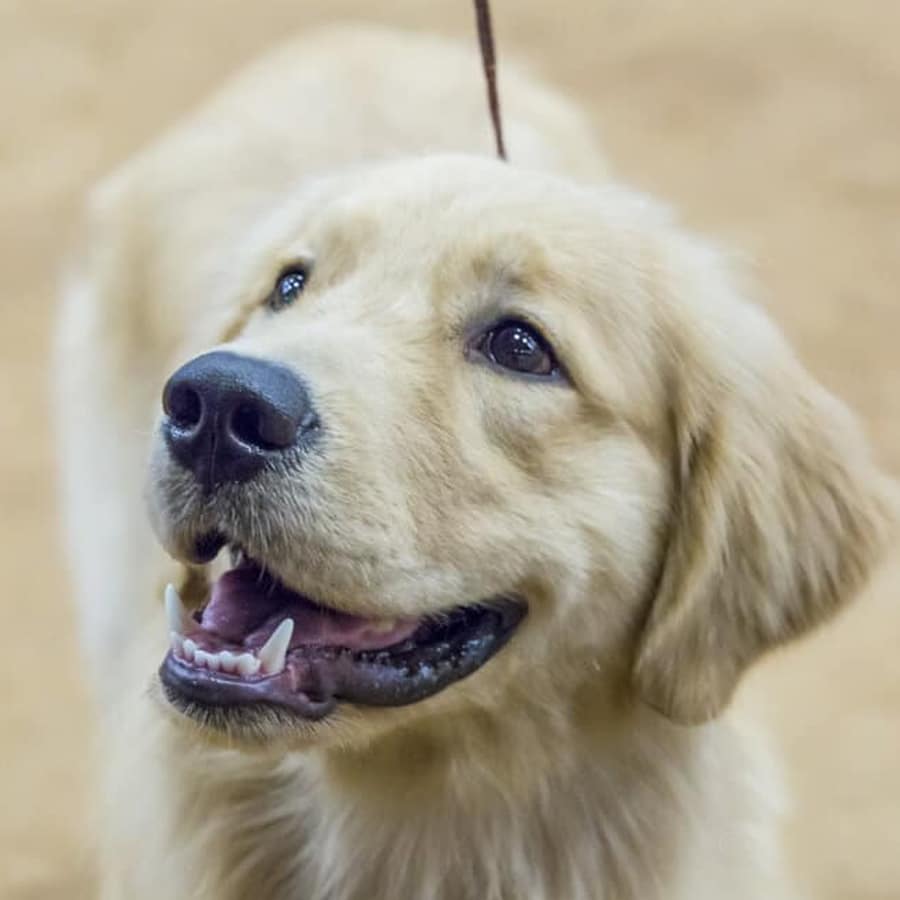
x=775, y=124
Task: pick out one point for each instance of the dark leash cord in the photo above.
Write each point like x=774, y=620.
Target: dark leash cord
x=489, y=59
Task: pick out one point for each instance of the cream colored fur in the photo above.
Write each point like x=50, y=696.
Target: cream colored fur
x=691, y=499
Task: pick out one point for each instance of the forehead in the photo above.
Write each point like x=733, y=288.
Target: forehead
x=441, y=203
x=467, y=218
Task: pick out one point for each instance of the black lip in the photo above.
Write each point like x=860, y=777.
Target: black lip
x=186, y=686
x=317, y=679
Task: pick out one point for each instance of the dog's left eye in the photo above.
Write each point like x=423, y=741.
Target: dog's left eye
x=517, y=346
x=288, y=287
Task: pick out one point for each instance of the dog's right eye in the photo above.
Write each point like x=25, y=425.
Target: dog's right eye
x=288, y=287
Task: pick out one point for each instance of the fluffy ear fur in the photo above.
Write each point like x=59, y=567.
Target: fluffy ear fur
x=779, y=515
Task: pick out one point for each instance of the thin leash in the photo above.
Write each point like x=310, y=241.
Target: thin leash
x=489, y=60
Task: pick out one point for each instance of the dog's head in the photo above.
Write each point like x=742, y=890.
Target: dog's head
x=469, y=430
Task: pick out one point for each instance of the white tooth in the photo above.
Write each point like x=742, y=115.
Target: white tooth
x=382, y=626
x=175, y=642
x=176, y=614
x=190, y=649
x=202, y=658
x=247, y=664
x=273, y=654
x=212, y=662
x=228, y=661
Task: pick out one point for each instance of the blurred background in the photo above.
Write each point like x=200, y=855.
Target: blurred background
x=774, y=125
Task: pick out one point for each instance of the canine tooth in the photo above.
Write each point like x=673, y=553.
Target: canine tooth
x=228, y=661
x=190, y=649
x=247, y=664
x=273, y=653
x=176, y=614
x=175, y=642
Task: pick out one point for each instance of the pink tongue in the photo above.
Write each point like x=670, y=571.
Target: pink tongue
x=245, y=607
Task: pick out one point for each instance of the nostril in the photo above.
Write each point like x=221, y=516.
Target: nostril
x=184, y=406
x=255, y=423
x=246, y=425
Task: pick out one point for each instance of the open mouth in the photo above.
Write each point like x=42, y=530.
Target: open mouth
x=256, y=642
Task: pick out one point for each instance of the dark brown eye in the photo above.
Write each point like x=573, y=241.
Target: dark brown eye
x=518, y=347
x=288, y=287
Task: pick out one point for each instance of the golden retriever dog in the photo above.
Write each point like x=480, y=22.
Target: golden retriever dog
x=473, y=490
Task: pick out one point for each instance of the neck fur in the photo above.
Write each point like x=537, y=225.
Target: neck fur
x=584, y=808
x=574, y=803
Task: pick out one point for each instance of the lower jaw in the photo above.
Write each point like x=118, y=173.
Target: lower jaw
x=315, y=682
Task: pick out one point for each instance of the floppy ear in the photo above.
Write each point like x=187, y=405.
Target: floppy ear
x=779, y=514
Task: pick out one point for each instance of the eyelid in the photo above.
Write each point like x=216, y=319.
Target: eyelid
x=297, y=264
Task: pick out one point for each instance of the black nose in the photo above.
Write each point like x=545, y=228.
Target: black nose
x=228, y=415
